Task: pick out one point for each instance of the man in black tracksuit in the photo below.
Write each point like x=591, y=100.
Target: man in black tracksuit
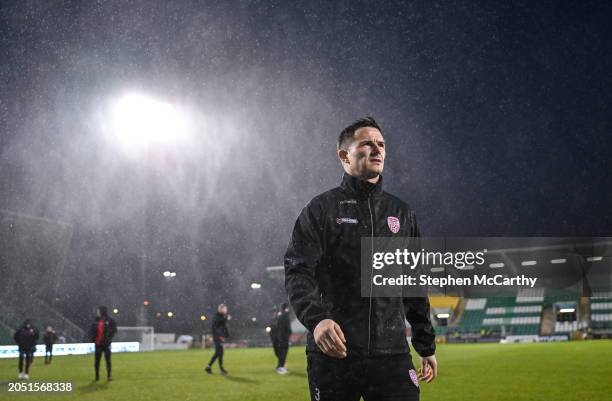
x=101, y=334
x=220, y=334
x=279, y=334
x=26, y=338
x=49, y=338
x=356, y=345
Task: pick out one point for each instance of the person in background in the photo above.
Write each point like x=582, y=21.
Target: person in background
x=220, y=334
x=49, y=338
x=101, y=334
x=280, y=338
x=26, y=338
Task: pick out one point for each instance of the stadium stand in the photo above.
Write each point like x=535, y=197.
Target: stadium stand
x=559, y=299
x=525, y=314
x=601, y=312
x=500, y=316
x=14, y=313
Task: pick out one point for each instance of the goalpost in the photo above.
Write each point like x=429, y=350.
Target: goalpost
x=141, y=334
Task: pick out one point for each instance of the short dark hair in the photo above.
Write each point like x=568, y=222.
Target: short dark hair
x=347, y=134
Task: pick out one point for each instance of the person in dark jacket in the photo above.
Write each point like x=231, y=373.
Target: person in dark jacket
x=280, y=331
x=356, y=346
x=101, y=334
x=26, y=338
x=220, y=334
x=49, y=338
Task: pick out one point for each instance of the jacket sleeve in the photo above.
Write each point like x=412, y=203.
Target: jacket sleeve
x=303, y=255
x=284, y=326
x=92, y=332
x=112, y=329
x=418, y=313
x=288, y=325
x=423, y=335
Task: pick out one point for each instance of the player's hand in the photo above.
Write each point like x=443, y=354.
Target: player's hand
x=429, y=368
x=330, y=339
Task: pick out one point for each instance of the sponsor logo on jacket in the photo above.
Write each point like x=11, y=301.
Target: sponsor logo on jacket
x=346, y=220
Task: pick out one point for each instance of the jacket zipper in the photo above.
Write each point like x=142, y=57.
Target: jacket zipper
x=371, y=273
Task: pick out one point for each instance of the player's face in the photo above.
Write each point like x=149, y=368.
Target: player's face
x=365, y=156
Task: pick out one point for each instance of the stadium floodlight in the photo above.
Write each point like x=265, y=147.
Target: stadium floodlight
x=173, y=274
x=268, y=329
x=139, y=123
x=255, y=286
x=115, y=311
x=203, y=317
x=567, y=310
x=443, y=315
x=138, y=120
x=254, y=319
x=167, y=274
x=529, y=263
x=170, y=314
x=558, y=261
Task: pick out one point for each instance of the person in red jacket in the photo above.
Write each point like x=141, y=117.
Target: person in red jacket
x=101, y=334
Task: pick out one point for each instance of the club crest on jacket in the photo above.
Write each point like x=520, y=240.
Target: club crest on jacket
x=394, y=224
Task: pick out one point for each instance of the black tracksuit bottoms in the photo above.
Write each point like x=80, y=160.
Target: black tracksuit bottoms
x=106, y=350
x=376, y=378
x=281, y=349
x=26, y=356
x=218, y=354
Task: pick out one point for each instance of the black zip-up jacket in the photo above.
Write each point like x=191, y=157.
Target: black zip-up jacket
x=219, y=328
x=49, y=338
x=322, y=271
x=26, y=338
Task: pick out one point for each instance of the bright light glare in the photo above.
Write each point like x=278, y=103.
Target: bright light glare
x=139, y=120
x=567, y=310
x=167, y=274
x=443, y=315
x=268, y=329
x=255, y=286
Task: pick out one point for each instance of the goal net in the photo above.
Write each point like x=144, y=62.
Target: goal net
x=141, y=334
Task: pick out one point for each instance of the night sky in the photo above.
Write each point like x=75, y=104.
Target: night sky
x=496, y=114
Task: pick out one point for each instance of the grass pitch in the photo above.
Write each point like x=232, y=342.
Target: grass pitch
x=554, y=371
